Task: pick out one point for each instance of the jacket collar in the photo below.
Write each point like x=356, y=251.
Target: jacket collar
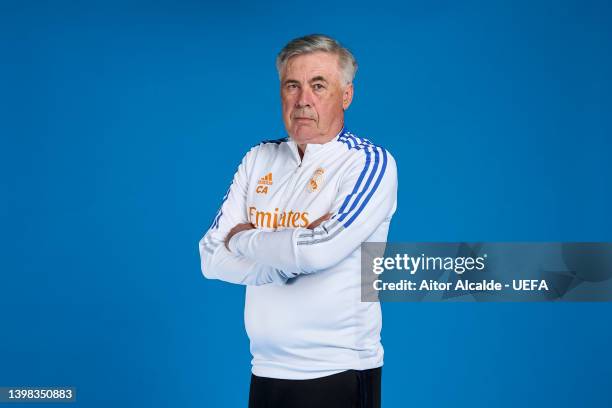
x=313, y=148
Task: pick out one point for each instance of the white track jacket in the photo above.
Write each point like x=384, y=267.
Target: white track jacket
x=303, y=311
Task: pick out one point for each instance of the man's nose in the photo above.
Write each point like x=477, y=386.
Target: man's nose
x=305, y=98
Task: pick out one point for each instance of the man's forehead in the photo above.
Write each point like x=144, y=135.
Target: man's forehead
x=316, y=64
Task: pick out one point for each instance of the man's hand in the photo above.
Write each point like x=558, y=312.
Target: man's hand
x=318, y=221
x=238, y=228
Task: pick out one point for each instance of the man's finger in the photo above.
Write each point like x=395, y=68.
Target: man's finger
x=318, y=221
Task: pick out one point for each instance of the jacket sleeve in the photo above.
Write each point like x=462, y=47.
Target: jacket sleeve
x=366, y=198
x=216, y=261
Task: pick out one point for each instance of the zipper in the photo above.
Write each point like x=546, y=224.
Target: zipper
x=291, y=184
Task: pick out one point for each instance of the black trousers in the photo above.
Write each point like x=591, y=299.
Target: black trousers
x=348, y=389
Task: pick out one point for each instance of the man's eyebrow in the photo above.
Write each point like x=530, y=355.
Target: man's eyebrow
x=291, y=81
x=317, y=78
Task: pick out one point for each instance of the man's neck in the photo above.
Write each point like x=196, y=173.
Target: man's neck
x=301, y=150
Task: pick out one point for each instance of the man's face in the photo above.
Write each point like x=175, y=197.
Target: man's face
x=313, y=97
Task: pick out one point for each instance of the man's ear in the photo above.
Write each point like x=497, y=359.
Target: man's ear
x=347, y=96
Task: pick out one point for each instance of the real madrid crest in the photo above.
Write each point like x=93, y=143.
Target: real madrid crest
x=316, y=181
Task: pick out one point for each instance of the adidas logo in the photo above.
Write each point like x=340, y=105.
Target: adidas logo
x=266, y=180
x=263, y=183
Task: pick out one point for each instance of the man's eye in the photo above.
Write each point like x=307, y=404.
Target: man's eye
x=291, y=86
x=318, y=86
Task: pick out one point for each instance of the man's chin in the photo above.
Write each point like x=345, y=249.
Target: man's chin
x=305, y=132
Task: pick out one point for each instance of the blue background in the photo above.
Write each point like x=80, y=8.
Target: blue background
x=122, y=125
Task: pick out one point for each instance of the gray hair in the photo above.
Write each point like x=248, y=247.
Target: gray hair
x=318, y=42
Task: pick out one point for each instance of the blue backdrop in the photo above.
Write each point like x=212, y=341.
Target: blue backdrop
x=122, y=125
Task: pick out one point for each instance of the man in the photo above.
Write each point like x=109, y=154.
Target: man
x=290, y=227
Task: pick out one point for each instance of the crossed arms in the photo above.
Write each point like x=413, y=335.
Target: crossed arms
x=234, y=251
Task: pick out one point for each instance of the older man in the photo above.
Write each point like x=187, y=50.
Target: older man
x=290, y=227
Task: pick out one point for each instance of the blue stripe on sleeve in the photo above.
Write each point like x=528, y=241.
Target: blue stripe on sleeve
x=357, y=184
x=365, y=187
x=215, y=222
x=380, y=176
